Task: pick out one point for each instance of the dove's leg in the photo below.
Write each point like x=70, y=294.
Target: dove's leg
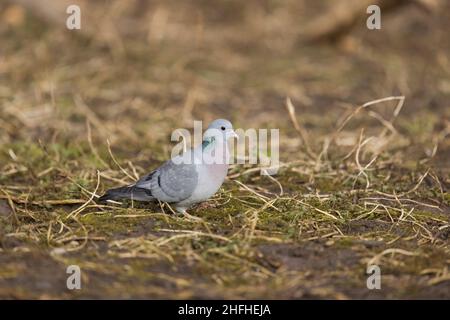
x=187, y=215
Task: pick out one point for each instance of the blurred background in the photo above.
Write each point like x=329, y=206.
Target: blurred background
x=136, y=64
x=138, y=69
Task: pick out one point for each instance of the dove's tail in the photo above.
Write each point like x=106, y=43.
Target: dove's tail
x=127, y=192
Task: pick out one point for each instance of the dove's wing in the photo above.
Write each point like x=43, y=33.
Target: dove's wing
x=171, y=182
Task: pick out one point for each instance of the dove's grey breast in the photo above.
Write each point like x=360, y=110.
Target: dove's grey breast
x=171, y=182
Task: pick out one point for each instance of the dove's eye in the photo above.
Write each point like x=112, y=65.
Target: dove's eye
x=222, y=128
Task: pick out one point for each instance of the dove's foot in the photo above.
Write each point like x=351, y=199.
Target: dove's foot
x=187, y=215
x=205, y=205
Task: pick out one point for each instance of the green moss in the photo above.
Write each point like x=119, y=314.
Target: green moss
x=419, y=126
x=105, y=223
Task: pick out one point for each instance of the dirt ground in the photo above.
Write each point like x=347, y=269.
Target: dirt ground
x=368, y=185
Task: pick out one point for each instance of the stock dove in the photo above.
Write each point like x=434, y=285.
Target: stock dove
x=186, y=179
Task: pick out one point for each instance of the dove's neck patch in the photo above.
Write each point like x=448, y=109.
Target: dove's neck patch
x=208, y=141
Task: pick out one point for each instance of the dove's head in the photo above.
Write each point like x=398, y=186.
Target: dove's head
x=220, y=128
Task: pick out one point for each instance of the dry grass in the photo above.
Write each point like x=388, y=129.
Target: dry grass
x=364, y=147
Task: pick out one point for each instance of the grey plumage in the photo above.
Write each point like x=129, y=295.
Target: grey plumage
x=127, y=192
x=169, y=183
